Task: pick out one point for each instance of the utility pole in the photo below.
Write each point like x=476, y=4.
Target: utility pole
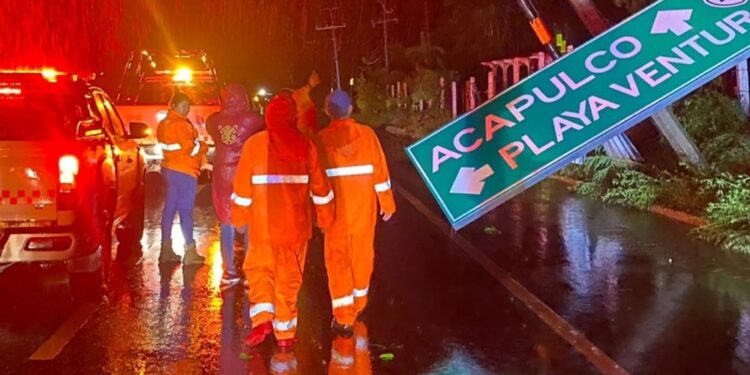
x=427, y=31
x=331, y=20
x=385, y=20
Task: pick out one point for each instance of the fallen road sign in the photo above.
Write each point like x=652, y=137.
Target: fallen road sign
x=601, y=89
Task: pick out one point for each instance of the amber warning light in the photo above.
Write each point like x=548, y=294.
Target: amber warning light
x=10, y=91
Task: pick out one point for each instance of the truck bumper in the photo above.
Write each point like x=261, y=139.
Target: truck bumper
x=60, y=244
x=32, y=245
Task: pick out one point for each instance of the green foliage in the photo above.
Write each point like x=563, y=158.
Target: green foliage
x=425, y=86
x=718, y=126
x=589, y=189
x=373, y=102
x=376, y=106
x=729, y=215
x=419, y=124
x=634, y=189
x=616, y=181
x=573, y=171
x=729, y=152
x=708, y=114
x=684, y=191
x=602, y=169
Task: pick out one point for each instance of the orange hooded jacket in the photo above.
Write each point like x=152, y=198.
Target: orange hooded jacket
x=178, y=139
x=278, y=178
x=358, y=172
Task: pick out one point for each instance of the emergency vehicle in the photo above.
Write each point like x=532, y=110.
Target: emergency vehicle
x=71, y=174
x=147, y=85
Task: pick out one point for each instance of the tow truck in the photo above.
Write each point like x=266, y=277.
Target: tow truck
x=71, y=174
x=147, y=84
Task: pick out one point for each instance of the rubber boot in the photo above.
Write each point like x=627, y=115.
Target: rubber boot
x=342, y=330
x=191, y=256
x=167, y=255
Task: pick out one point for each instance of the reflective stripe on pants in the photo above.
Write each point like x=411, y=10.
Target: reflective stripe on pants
x=349, y=263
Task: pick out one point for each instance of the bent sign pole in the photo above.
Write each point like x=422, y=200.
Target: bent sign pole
x=604, y=87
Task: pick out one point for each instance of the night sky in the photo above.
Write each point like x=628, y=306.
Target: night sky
x=257, y=42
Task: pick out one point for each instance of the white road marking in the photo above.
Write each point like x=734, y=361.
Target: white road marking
x=57, y=342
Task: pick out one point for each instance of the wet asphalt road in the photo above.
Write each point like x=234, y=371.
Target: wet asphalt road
x=637, y=286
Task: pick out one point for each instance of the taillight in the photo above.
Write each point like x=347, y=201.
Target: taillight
x=67, y=198
x=68, y=172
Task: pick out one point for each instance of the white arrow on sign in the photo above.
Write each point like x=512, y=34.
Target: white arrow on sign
x=675, y=21
x=470, y=181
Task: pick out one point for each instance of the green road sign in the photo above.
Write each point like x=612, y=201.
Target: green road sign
x=614, y=81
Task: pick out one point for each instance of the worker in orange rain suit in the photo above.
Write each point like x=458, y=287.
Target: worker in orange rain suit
x=358, y=172
x=184, y=154
x=278, y=178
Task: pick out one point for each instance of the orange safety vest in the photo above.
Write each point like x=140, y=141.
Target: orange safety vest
x=273, y=197
x=178, y=139
x=358, y=171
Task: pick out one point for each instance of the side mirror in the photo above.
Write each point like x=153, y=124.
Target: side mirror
x=139, y=130
x=88, y=129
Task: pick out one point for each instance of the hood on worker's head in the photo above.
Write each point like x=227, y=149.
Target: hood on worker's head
x=234, y=98
x=281, y=122
x=281, y=113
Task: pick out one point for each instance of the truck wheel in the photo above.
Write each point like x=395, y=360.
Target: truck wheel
x=130, y=233
x=91, y=286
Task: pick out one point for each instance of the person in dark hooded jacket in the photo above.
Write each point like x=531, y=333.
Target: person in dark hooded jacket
x=230, y=128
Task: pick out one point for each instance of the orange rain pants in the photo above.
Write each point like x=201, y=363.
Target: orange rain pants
x=358, y=172
x=274, y=273
x=349, y=261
